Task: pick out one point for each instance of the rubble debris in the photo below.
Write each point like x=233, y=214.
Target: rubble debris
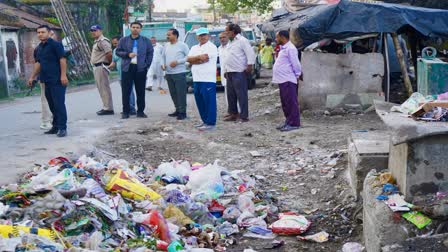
x=255, y=154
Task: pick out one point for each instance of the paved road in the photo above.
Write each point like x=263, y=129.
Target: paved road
x=22, y=143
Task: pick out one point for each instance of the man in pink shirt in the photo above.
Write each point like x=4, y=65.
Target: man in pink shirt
x=286, y=71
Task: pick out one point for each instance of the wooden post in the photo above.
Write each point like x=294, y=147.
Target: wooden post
x=401, y=60
x=387, y=74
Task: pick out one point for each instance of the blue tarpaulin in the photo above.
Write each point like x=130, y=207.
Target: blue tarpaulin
x=349, y=19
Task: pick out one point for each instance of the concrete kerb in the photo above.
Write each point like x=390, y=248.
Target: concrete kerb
x=379, y=228
x=366, y=151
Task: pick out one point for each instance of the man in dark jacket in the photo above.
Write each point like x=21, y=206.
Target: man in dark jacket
x=136, y=52
x=51, y=67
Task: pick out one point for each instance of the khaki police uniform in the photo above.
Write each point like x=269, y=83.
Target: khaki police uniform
x=101, y=48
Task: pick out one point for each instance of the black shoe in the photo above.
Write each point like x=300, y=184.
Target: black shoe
x=105, y=112
x=173, y=114
x=149, y=88
x=141, y=115
x=181, y=116
x=52, y=131
x=124, y=116
x=133, y=113
x=62, y=133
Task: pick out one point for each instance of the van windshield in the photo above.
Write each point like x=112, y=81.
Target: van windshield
x=191, y=40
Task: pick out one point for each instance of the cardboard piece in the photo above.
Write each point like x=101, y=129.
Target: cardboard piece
x=428, y=106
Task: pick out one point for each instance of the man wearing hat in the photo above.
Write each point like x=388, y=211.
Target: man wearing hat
x=101, y=58
x=203, y=58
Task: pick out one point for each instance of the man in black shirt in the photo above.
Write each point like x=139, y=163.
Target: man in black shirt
x=51, y=67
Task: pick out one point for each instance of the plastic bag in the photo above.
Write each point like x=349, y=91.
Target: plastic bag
x=442, y=97
x=290, y=224
x=94, y=241
x=176, y=197
x=154, y=219
x=128, y=186
x=198, y=212
x=175, y=246
x=245, y=203
x=27, y=241
x=65, y=180
x=173, y=212
x=177, y=172
x=14, y=231
x=206, y=183
x=411, y=104
x=227, y=229
x=247, y=219
x=94, y=189
x=231, y=213
x=105, y=209
x=267, y=236
x=319, y=237
x=43, y=178
x=216, y=209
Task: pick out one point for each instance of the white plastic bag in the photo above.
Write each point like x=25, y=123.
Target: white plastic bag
x=245, y=203
x=174, y=169
x=206, y=182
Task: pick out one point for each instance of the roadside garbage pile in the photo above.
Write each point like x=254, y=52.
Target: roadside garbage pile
x=427, y=213
x=433, y=108
x=86, y=205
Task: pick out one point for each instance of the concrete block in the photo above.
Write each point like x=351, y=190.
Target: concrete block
x=339, y=100
x=431, y=243
x=332, y=80
x=420, y=166
x=366, y=151
x=379, y=228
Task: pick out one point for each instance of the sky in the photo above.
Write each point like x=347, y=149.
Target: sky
x=179, y=5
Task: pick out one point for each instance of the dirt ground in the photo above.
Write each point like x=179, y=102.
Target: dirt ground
x=305, y=170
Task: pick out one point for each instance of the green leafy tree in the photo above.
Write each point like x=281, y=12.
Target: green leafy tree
x=232, y=6
x=114, y=11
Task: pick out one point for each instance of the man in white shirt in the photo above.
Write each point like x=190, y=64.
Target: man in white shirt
x=155, y=74
x=224, y=40
x=239, y=60
x=203, y=58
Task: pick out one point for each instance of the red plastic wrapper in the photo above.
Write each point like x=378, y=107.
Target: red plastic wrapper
x=157, y=221
x=58, y=160
x=216, y=209
x=162, y=245
x=290, y=224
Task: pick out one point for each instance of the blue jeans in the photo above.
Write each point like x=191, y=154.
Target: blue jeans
x=205, y=97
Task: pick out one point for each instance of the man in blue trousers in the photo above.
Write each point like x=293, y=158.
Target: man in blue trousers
x=203, y=58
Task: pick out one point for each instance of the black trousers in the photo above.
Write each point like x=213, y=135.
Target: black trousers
x=139, y=79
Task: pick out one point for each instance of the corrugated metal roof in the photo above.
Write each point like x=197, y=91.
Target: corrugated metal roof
x=26, y=20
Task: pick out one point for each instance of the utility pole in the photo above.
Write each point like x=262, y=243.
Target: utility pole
x=150, y=3
x=214, y=12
